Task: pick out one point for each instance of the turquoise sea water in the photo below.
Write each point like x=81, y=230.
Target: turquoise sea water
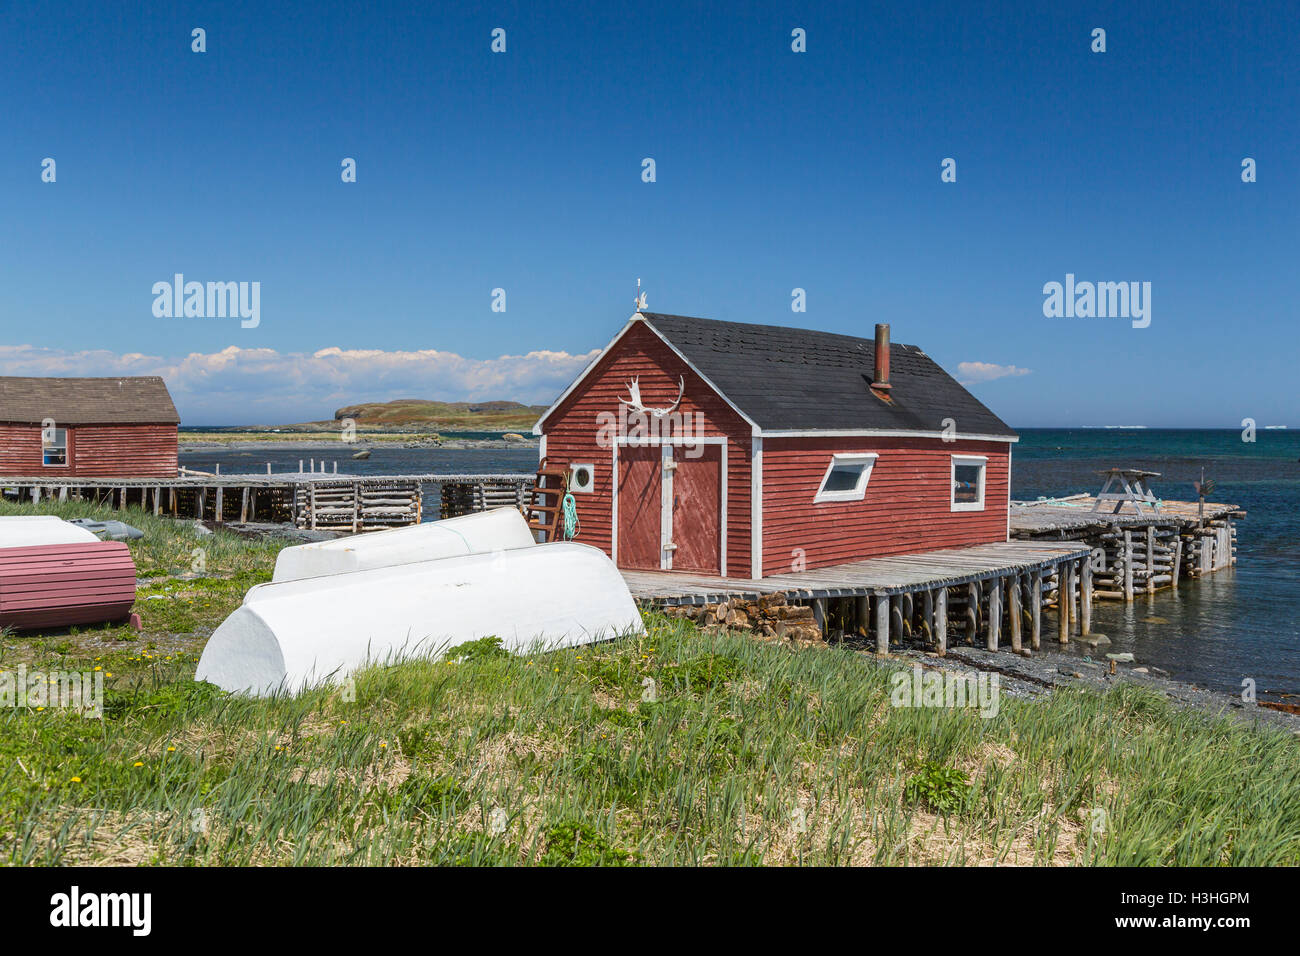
x=1242, y=623
x=1236, y=624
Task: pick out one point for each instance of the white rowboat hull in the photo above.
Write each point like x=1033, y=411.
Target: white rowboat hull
x=316, y=630
x=25, y=531
x=496, y=530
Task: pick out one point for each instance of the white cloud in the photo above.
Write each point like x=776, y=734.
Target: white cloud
x=972, y=373
x=264, y=386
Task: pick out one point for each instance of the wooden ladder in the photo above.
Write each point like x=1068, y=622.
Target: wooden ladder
x=548, y=518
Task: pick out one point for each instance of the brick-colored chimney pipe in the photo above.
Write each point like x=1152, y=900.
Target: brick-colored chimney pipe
x=881, y=380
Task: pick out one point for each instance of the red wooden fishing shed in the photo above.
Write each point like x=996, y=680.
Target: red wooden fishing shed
x=744, y=450
x=87, y=427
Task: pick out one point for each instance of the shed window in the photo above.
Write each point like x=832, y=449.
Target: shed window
x=54, y=446
x=968, y=482
x=846, y=478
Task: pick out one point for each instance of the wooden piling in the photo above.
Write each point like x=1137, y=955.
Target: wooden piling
x=1036, y=609
x=862, y=615
x=941, y=620
x=882, y=625
x=1063, y=603
x=1151, y=559
x=1085, y=597
x=972, y=622
x=1128, y=565
x=1015, y=611
x=995, y=613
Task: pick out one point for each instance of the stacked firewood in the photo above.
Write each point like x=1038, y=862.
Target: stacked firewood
x=768, y=616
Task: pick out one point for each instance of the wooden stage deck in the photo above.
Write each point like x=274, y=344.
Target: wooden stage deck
x=1135, y=553
x=1073, y=514
x=908, y=595
x=874, y=577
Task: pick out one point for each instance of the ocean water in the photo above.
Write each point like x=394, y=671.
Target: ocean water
x=1236, y=624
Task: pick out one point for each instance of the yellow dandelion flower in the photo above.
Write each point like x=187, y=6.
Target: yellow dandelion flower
x=139, y=763
x=75, y=780
x=171, y=750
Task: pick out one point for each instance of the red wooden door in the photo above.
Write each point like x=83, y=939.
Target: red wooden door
x=697, y=509
x=640, y=507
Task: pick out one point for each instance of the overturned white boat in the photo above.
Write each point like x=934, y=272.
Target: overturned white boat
x=496, y=530
x=25, y=531
x=295, y=634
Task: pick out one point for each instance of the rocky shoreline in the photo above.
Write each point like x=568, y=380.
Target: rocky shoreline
x=1028, y=675
x=1047, y=671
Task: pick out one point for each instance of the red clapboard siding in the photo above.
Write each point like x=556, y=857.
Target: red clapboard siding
x=99, y=451
x=906, y=507
x=572, y=430
x=57, y=585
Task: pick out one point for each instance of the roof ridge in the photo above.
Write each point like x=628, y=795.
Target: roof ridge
x=775, y=328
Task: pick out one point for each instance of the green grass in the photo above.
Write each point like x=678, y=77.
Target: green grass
x=190, y=582
x=169, y=546
x=734, y=752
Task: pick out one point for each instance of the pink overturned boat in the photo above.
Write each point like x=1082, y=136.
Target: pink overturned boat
x=54, y=574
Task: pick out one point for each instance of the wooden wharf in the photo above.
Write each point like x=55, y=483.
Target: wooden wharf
x=1139, y=551
x=982, y=592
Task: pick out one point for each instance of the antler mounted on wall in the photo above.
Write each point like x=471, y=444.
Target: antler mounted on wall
x=633, y=401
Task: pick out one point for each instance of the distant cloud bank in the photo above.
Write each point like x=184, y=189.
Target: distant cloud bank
x=263, y=386
x=972, y=373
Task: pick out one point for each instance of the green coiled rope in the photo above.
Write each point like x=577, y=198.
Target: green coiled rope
x=570, y=517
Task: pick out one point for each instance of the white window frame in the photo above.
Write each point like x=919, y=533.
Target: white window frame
x=591, y=467
x=46, y=447
x=983, y=463
x=858, y=491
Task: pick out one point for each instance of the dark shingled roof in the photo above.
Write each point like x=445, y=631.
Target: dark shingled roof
x=87, y=401
x=795, y=379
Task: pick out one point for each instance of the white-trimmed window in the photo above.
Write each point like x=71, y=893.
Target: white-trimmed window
x=54, y=447
x=968, y=482
x=846, y=478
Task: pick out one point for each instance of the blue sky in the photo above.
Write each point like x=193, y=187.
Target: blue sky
x=774, y=170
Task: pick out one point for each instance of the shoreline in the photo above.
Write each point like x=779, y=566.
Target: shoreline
x=1047, y=671
x=350, y=448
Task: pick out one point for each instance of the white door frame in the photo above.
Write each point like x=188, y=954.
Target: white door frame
x=668, y=465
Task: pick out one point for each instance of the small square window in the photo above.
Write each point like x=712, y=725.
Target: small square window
x=846, y=478
x=54, y=447
x=968, y=482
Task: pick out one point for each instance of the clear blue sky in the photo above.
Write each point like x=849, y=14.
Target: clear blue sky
x=775, y=170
